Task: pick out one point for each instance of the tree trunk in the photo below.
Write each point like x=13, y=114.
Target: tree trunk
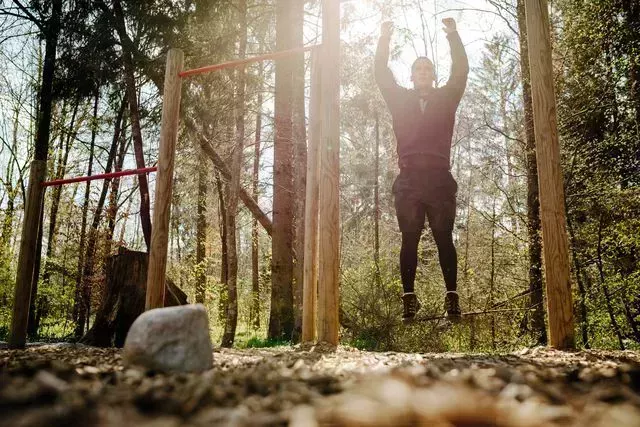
x=125, y=299
x=584, y=321
x=635, y=332
x=246, y=198
x=112, y=210
x=134, y=114
x=376, y=203
x=63, y=157
x=7, y=224
x=236, y=173
x=504, y=118
x=48, y=75
x=299, y=134
x=201, y=232
x=465, y=267
x=89, y=257
x=80, y=303
x=61, y=167
x=224, y=264
x=26, y=260
x=533, y=201
x=632, y=12
x=605, y=288
x=255, y=247
x=32, y=325
x=492, y=274
x=281, y=317
x=127, y=213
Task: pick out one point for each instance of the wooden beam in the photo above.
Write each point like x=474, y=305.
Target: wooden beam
x=329, y=219
x=552, y=207
x=310, y=269
x=27, y=257
x=249, y=202
x=164, y=181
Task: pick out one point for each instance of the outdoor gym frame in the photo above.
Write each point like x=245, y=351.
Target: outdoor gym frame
x=27, y=273
x=321, y=250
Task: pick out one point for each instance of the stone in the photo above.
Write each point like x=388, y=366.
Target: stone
x=171, y=339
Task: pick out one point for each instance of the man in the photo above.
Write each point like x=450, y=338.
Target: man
x=423, y=120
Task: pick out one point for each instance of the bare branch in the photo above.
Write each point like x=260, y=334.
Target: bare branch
x=501, y=132
x=29, y=16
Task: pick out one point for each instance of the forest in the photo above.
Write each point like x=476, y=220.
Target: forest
x=81, y=87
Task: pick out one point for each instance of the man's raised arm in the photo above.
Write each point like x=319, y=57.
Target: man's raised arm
x=459, y=61
x=384, y=76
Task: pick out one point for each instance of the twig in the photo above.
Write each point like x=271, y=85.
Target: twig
x=474, y=313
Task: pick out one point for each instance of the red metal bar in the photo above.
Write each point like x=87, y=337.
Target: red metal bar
x=275, y=55
x=101, y=176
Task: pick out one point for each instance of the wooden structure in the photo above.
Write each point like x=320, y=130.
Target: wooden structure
x=27, y=257
x=164, y=181
x=322, y=246
x=322, y=257
x=310, y=283
x=552, y=209
x=329, y=212
x=156, y=275
x=27, y=274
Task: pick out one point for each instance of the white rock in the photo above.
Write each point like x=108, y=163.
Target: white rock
x=170, y=339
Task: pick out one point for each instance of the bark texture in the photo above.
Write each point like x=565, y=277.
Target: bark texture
x=281, y=317
x=125, y=298
x=533, y=202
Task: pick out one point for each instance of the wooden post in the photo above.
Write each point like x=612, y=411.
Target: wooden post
x=310, y=271
x=164, y=180
x=27, y=257
x=552, y=208
x=329, y=219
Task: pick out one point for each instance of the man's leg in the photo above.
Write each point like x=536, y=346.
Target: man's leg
x=410, y=212
x=409, y=259
x=408, y=265
x=448, y=258
x=441, y=218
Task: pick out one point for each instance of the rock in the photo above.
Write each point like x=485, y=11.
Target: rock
x=50, y=382
x=170, y=339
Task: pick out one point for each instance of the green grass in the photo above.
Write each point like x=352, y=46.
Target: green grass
x=258, y=342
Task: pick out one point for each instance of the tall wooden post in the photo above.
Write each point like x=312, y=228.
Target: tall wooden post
x=310, y=270
x=27, y=257
x=552, y=209
x=329, y=221
x=164, y=180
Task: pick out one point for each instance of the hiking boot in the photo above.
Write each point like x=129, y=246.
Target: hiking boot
x=411, y=306
x=452, y=306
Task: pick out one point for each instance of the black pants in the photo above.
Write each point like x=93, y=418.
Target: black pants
x=419, y=194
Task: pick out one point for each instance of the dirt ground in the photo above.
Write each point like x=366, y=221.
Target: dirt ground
x=70, y=385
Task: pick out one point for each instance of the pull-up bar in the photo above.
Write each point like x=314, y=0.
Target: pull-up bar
x=100, y=176
x=239, y=62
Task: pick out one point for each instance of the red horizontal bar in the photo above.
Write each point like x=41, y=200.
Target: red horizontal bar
x=101, y=176
x=238, y=62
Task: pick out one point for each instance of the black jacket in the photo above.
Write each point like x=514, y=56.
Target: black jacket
x=430, y=132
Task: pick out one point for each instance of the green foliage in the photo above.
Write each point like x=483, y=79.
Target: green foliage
x=599, y=111
x=258, y=342
x=6, y=299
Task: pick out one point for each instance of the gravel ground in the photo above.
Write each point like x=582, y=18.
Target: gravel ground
x=70, y=385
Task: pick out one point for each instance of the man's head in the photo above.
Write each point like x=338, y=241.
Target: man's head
x=422, y=73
